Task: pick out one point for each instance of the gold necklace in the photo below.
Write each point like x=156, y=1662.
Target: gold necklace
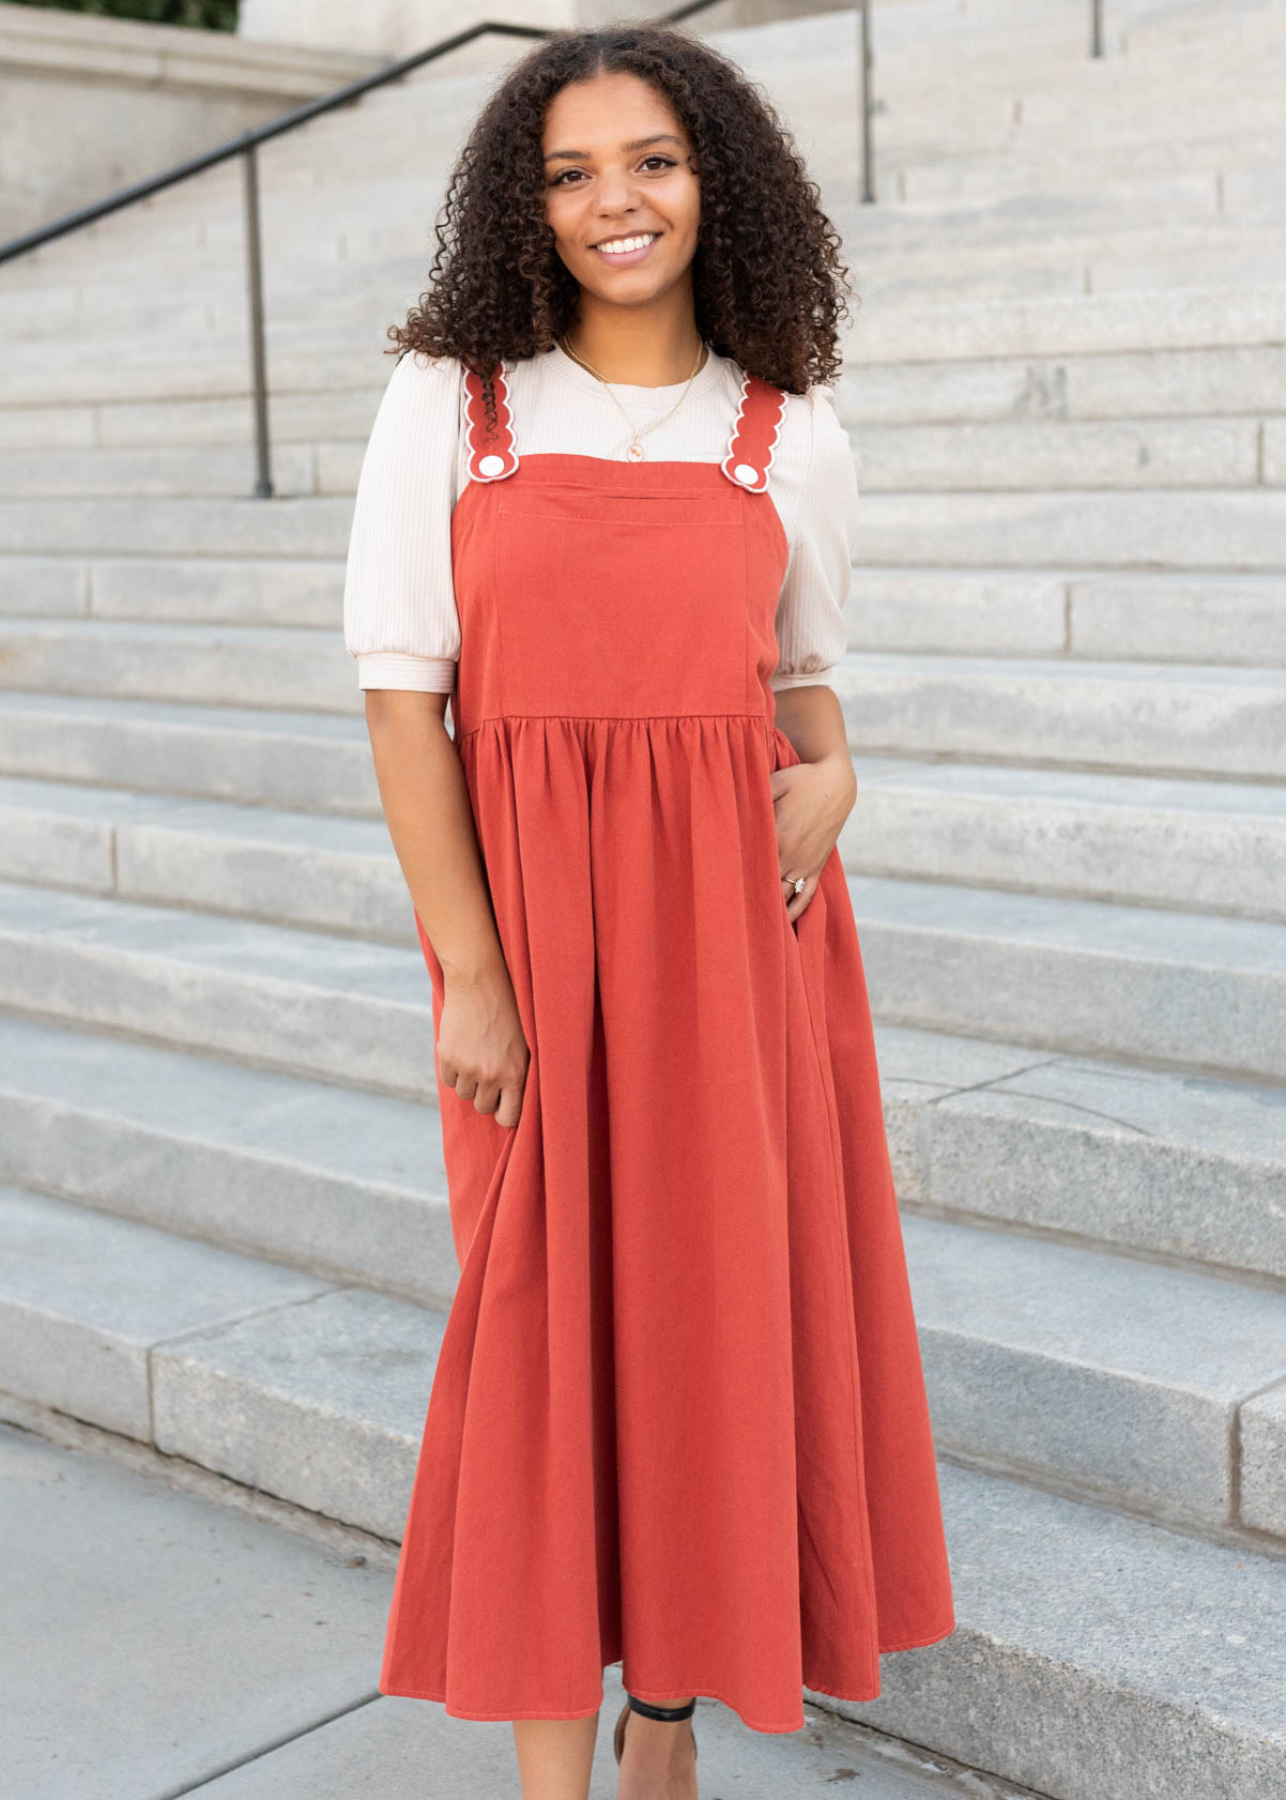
x=634, y=450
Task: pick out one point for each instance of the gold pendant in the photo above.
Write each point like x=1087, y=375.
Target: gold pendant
x=634, y=451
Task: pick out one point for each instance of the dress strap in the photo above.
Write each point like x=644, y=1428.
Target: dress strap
x=492, y=455
x=753, y=444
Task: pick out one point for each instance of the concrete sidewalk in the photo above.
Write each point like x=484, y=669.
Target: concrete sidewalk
x=158, y=1643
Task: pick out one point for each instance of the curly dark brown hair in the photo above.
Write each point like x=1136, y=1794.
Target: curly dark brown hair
x=770, y=287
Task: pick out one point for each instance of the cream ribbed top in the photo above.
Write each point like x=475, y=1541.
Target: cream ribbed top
x=400, y=621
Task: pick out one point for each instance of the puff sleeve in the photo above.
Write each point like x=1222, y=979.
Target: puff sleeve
x=400, y=621
x=812, y=633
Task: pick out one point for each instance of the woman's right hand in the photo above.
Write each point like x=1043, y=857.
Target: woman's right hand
x=482, y=1051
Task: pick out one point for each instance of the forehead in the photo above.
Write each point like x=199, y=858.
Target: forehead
x=608, y=112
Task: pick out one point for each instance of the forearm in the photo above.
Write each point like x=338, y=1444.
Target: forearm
x=813, y=719
x=430, y=820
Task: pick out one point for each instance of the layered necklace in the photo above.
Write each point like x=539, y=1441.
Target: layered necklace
x=634, y=450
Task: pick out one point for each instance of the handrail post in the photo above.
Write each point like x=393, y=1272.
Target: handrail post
x=1096, y=27
x=258, y=354
x=868, y=148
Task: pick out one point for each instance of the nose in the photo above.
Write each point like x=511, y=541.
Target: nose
x=617, y=192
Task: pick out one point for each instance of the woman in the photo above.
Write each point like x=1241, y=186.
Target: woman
x=678, y=1419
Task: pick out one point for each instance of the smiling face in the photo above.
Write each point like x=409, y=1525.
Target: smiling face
x=621, y=194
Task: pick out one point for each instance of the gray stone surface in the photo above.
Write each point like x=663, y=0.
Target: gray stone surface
x=1072, y=1362
x=1142, y=384
x=155, y=472
x=37, y=585
x=407, y=1750
x=1150, y=1663
x=1121, y=453
x=154, y=1639
x=1217, y=847
x=1185, y=1165
x=308, y=760
x=218, y=589
x=324, y=1408
x=84, y=1300
x=245, y=666
x=300, y=868
x=1076, y=975
x=342, y=1182
x=310, y=1002
x=1144, y=717
x=1263, y=1455
x=1212, y=618
x=1148, y=529
x=202, y=527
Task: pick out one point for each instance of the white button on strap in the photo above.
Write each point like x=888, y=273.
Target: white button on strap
x=492, y=465
x=746, y=475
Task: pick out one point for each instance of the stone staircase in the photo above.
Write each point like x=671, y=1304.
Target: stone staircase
x=225, y=1225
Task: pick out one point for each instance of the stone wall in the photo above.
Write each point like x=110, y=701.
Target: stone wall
x=400, y=27
x=88, y=105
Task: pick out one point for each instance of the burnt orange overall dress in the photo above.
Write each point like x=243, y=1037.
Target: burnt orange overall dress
x=678, y=1420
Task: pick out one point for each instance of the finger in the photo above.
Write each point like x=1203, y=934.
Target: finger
x=487, y=1097
x=510, y=1108
x=799, y=902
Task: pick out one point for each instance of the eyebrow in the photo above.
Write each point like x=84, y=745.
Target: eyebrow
x=659, y=137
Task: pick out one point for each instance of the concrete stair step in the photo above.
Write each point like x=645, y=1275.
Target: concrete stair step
x=1205, y=528
x=309, y=527
x=1077, y=975
x=1188, y=1170
x=1220, y=529
x=298, y=417
x=1217, y=317
x=309, y=1002
x=1185, y=385
x=1139, y=384
x=318, y=1398
x=1029, y=456
x=191, y=664
x=1065, y=974
x=1074, y=1365
x=1043, y=456
x=183, y=590
x=160, y=473
x=1195, y=845
x=343, y=1184
x=1065, y=1363
x=304, y=761
x=1200, y=846
x=86, y=1301
x=1125, y=717
x=1131, y=617
x=334, y=873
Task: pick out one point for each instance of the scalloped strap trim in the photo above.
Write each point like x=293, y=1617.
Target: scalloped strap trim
x=752, y=446
x=492, y=456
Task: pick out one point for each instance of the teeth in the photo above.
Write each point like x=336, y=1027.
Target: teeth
x=620, y=246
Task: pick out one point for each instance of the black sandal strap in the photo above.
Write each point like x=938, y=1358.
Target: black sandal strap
x=665, y=1713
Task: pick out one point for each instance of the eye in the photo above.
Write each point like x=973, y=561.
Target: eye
x=561, y=180
x=656, y=161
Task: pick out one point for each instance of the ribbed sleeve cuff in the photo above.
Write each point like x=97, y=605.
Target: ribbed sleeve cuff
x=418, y=674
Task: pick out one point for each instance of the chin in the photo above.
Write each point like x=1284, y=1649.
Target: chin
x=629, y=288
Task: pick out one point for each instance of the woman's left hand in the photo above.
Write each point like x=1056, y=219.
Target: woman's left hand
x=811, y=801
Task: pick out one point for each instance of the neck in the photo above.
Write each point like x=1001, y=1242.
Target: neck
x=640, y=346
